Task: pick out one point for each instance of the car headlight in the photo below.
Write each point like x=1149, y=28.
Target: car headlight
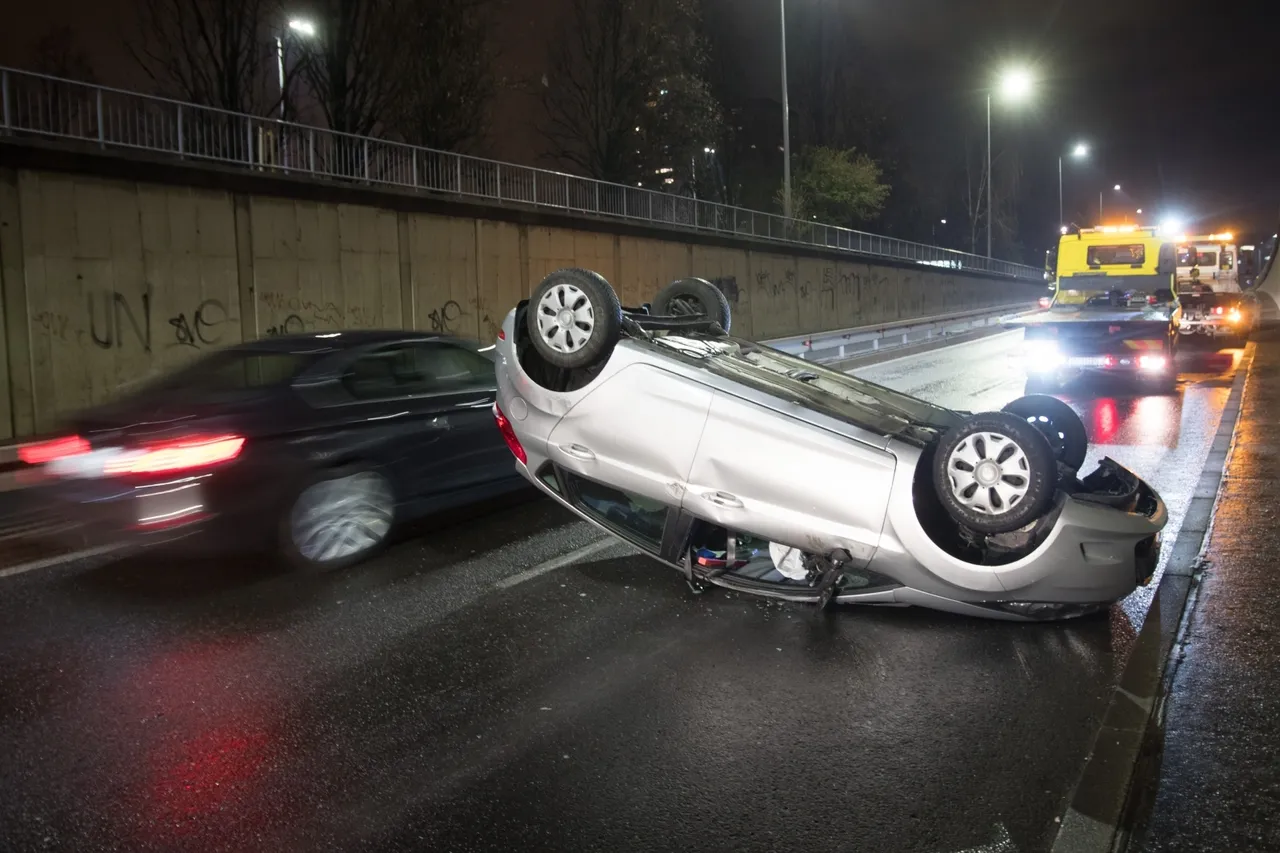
x=1042, y=355
x=1234, y=315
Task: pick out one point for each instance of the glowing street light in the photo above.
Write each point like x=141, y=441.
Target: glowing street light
x=1117, y=188
x=302, y=28
x=1080, y=151
x=1014, y=84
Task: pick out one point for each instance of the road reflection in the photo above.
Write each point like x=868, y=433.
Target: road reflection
x=1114, y=414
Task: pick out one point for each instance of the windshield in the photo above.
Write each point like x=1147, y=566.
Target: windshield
x=1127, y=255
x=822, y=389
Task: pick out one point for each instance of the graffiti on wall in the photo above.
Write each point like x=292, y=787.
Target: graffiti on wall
x=292, y=325
x=444, y=319
x=112, y=318
x=204, y=329
x=314, y=315
x=449, y=318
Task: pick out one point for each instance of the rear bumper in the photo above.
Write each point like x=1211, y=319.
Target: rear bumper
x=148, y=514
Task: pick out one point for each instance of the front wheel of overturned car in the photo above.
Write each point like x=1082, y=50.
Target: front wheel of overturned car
x=1059, y=423
x=574, y=319
x=338, y=517
x=693, y=297
x=995, y=472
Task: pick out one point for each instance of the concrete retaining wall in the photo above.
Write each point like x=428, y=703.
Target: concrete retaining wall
x=109, y=281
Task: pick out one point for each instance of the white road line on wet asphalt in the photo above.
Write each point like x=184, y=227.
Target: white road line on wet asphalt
x=58, y=560
x=557, y=562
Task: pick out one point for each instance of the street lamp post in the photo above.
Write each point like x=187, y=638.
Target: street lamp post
x=303, y=28
x=1015, y=84
x=786, y=118
x=1117, y=189
x=1080, y=151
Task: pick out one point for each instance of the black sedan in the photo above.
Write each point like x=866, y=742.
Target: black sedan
x=312, y=445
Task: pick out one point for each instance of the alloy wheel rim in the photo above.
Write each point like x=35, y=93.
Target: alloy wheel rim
x=566, y=320
x=339, y=518
x=989, y=473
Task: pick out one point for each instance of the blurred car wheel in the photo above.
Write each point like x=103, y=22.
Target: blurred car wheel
x=339, y=517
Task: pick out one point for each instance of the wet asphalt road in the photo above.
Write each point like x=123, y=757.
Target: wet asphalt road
x=466, y=692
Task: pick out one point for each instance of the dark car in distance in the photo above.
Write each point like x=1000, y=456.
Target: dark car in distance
x=310, y=445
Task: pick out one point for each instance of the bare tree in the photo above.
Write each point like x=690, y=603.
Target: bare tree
x=626, y=95
x=60, y=54
x=355, y=63
x=448, y=78
x=210, y=52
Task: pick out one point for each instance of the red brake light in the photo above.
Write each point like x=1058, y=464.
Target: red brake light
x=1217, y=309
x=47, y=451
x=502, y=335
x=509, y=435
x=180, y=455
x=1151, y=299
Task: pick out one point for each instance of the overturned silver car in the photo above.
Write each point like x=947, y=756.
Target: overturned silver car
x=747, y=468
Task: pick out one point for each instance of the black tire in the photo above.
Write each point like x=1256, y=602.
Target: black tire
x=1059, y=423
x=693, y=297
x=587, y=335
x=1038, y=479
x=339, y=479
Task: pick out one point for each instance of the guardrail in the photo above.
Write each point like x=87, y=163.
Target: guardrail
x=862, y=340
x=45, y=106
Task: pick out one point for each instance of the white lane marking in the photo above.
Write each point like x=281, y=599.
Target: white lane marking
x=1002, y=844
x=50, y=562
x=556, y=563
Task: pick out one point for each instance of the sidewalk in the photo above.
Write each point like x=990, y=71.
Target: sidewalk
x=1219, y=777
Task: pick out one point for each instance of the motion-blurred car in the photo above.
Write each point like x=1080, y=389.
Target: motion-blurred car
x=748, y=468
x=312, y=445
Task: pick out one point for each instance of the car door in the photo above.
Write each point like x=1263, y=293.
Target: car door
x=637, y=432
x=396, y=416
x=760, y=472
x=461, y=379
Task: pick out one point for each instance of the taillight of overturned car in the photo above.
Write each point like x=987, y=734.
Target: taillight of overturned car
x=175, y=456
x=43, y=452
x=509, y=435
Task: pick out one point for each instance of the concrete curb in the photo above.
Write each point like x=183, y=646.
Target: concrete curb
x=1095, y=819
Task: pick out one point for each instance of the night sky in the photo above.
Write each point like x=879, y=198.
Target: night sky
x=1174, y=97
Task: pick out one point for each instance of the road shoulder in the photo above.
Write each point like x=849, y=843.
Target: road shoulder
x=1100, y=812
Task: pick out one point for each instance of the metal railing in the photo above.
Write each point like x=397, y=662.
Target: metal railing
x=40, y=105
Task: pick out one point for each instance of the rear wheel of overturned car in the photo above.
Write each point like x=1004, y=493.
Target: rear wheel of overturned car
x=1059, y=423
x=995, y=472
x=574, y=319
x=693, y=297
x=338, y=517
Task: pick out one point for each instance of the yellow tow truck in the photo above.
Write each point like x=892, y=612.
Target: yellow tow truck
x=1113, y=310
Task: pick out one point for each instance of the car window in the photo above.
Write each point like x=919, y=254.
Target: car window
x=634, y=517
x=451, y=367
x=407, y=370
x=238, y=370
